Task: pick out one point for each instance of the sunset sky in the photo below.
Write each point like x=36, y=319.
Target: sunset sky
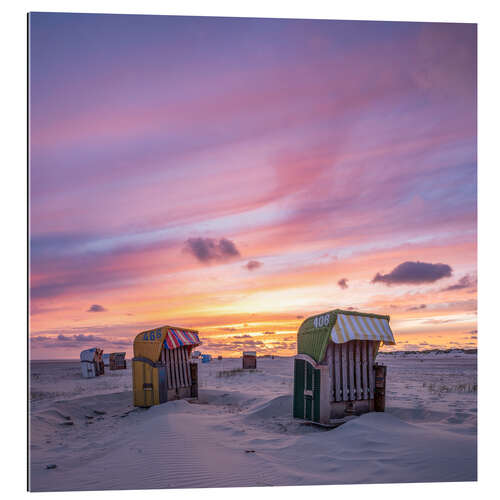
x=238, y=175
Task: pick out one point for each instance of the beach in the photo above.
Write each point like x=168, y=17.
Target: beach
x=240, y=432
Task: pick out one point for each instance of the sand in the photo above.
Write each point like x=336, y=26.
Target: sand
x=241, y=433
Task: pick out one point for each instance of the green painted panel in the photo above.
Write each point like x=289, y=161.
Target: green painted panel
x=298, y=388
x=308, y=401
x=316, y=395
x=309, y=376
x=314, y=334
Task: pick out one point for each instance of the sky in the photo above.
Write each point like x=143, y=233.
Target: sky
x=236, y=176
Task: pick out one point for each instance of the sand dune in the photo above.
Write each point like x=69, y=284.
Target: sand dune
x=240, y=433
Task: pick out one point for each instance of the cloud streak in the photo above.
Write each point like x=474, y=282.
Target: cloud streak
x=464, y=282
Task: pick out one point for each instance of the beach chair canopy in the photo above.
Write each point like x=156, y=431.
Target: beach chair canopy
x=341, y=326
x=149, y=344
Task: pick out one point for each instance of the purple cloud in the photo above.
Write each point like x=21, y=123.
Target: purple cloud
x=80, y=338
x=343, y=283
x=209, y=249
x=88, y=338
x=252, y=264
x=96, y=308
x=464, y=282
x=414, y=273
x=417, y=308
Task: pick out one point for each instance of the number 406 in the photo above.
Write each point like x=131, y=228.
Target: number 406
x=320, y=321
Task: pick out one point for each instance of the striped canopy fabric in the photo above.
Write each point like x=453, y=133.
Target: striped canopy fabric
x=175, y=337
x=361, y=327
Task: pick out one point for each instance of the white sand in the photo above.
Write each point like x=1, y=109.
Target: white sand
x=241, y=432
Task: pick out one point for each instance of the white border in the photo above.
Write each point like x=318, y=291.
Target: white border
x=13, y=210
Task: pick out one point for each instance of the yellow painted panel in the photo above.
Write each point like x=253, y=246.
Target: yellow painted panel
x=156, y=387
x=148, y=344
x=143, y=373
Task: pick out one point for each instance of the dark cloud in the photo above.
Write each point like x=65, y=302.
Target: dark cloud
x=77, y=341
x=414, y=273
x=96, y=308
x=121, y=342
x=466, y=281
x=80, y=338
x=40, y=338
x=300, y=317
x=417, y=308
x=242, y=337
x=228, y=248
x=252, y=264
x=208, y=249
x=343, y=283
x=269, y=333
x=88, y=338
x=235, y=345
x=253, y=343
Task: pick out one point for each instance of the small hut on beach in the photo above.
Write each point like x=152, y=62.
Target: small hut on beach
x=335, y=374
x=249, y=360
x=161, y=368
x=117, y=361
x=91, y=362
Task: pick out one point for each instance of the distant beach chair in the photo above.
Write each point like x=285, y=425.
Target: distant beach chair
x=91, y=362
x=117, y=361
x=335, y=374
x=249, y=360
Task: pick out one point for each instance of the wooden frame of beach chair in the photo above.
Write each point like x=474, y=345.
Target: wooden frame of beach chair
x=335, y=370
x=249, y=360
x=162, y=368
